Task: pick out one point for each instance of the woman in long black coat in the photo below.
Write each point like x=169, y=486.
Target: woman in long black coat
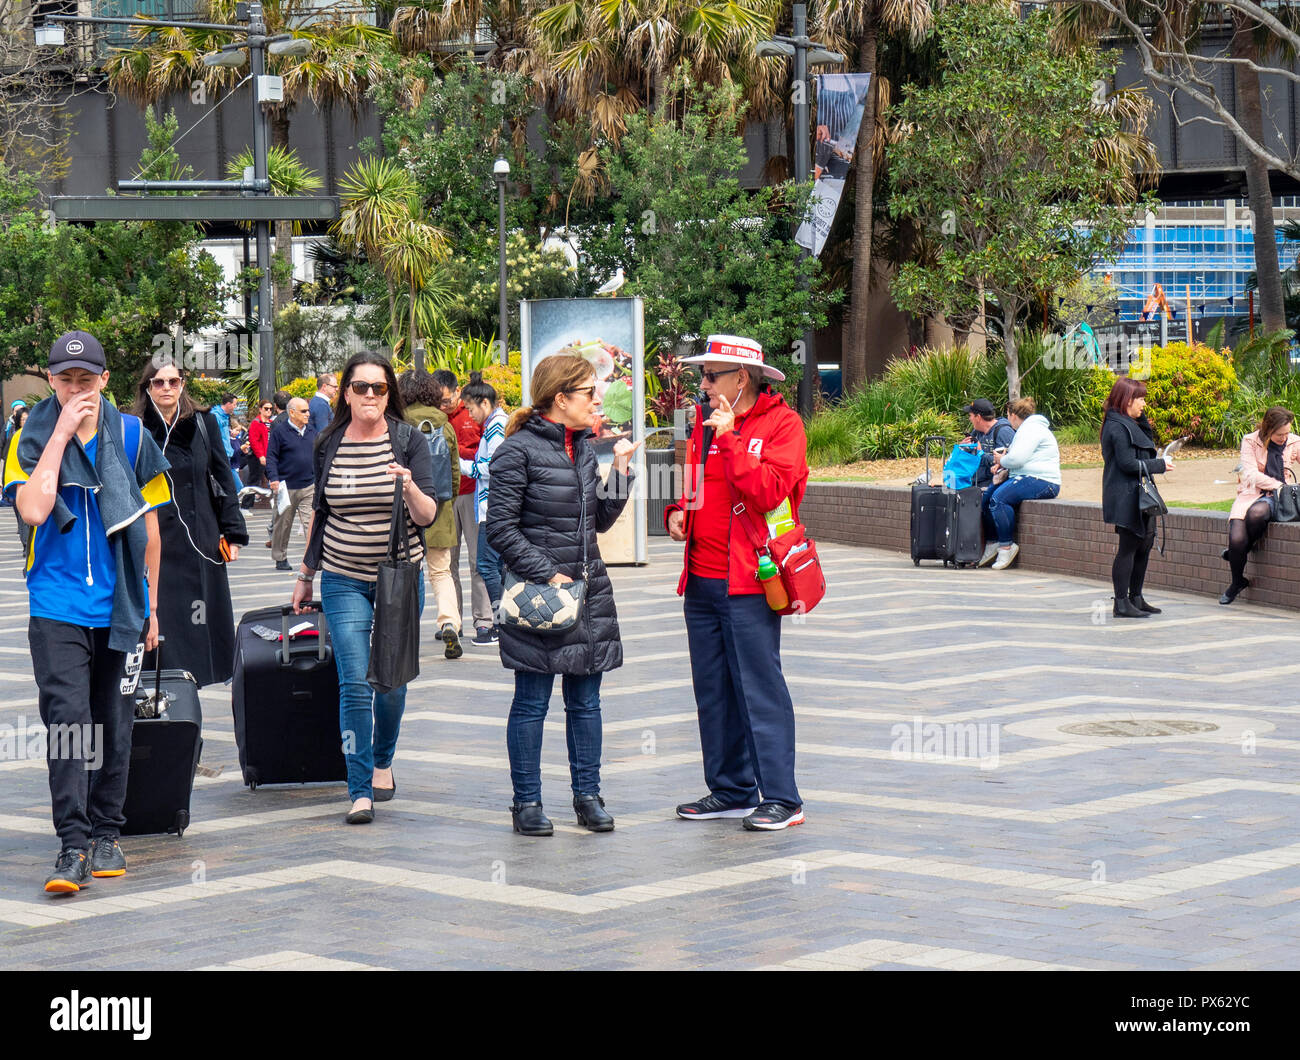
x=1127, y=448
x=546, y=504
x=194, y=609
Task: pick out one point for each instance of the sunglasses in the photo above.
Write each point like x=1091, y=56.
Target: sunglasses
x=713, y=377
x=158, y=383
x=265, y=408
x=359, y=388
x=588, y=390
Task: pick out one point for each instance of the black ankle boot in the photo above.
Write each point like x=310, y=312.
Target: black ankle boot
x=1142, y=605
x=591, y=813
x=530, y=820
x=1125, y=608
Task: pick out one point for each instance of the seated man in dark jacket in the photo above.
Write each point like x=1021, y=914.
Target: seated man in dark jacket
x=289, y=460
x=989, y=431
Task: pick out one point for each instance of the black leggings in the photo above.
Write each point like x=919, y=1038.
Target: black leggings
x=1243, y=534
x=1129, y=570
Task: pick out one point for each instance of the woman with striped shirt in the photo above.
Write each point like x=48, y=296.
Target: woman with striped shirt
x=366, y=448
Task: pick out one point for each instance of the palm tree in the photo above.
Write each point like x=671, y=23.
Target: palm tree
x=857, y=25
x=376, y=194
x=289, y=176
x=344, y=60
x=413, y=250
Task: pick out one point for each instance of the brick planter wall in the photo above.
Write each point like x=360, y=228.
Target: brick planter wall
x=1069, y=537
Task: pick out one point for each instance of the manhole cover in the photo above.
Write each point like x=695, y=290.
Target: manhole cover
x=1139, y=727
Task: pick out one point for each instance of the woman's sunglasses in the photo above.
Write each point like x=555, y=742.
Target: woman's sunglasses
x=588, y=390
x=359, y=388
x=158, y=383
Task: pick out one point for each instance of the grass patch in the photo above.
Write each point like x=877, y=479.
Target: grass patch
x=1213, y=506
x=1079, y=467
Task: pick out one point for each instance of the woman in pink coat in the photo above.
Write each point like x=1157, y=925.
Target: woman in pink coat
x=1265, y=456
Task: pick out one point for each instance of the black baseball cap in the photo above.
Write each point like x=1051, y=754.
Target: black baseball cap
x=77, y=349
x=981, y=407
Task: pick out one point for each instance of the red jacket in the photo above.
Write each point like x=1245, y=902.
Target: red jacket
x=765, y=462
x=259, y=434
x=468, y=434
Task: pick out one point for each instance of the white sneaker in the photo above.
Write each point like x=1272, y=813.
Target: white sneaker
x=990, y=550
x=1006, y=556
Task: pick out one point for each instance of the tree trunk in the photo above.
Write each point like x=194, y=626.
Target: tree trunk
x=282, y=293
x=1251, y=113
x=855, y=353
x=1009, y=349
x=417, y=362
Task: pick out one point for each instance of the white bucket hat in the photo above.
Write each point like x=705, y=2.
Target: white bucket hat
x=735, y=350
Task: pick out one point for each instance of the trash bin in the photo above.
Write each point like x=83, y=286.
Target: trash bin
x=661, y=489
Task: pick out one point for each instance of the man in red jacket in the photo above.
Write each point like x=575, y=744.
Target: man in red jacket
x=746, y=461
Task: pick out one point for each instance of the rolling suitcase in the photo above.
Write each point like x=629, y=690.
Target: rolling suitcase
x=945, y=522
x=285, y=697
x=166, y=741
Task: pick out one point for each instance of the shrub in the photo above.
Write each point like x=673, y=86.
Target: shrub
x=304, y=387
x=1190, y=390
x=833, y=438
x=207, y=391
x=942, y=379
x=507, y=381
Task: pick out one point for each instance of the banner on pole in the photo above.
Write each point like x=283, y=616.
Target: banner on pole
x=841, y=99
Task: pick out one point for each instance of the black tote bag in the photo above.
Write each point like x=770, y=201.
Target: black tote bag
x=395, y=632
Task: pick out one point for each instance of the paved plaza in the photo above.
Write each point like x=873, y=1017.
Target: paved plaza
x=952, y=821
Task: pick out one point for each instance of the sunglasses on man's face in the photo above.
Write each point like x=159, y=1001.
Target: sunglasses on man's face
x=359, y=388
x=713, y=377
x=159, y=383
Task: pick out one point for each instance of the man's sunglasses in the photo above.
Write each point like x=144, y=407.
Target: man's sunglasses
x=713, y=377
x=158, y=383
x=359, y=388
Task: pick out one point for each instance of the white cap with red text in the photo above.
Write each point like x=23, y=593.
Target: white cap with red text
x=735, y=350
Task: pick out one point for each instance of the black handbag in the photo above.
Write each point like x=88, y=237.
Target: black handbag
x=395, y=631
x=1286, y=502
x=1150, y=504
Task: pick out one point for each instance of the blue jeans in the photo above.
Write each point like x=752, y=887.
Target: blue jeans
x=489, y=568
x=581, y=729
x=1005, y=499
x=369, y=723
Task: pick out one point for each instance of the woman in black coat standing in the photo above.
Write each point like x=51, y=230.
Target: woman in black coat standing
x=546, y=505
x=195, y=614
x=1128, y=448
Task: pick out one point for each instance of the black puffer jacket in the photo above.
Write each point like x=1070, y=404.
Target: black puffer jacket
x=1126, y=444
x=540, y=504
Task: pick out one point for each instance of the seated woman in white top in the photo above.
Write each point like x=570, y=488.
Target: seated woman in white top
x=1033, y=464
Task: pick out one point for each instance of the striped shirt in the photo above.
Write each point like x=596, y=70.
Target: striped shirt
x=359, y=492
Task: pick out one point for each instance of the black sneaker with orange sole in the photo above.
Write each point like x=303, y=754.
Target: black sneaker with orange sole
x=771, y=816
x=71, y=872
x=106, y=857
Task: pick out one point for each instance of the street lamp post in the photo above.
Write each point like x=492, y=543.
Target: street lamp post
x=266, y=89
x=501, y=173
x=798, y=47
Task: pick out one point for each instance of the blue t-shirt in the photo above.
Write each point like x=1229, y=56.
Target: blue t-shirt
x=71, y=577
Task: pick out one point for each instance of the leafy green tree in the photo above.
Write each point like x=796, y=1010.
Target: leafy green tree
x=706, y=254
x=129, y=284
x=1000, y=169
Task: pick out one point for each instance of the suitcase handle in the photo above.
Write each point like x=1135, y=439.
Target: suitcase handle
x=323, y=626
x=943, y=448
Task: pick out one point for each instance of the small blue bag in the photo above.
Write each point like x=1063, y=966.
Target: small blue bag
x=961, y=467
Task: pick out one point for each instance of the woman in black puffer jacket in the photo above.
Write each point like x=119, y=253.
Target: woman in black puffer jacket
x=546, y=504
x=1127, y=447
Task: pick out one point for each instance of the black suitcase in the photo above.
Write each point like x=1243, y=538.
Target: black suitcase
x=285, y=697
x=945, y=522
x=166, y=741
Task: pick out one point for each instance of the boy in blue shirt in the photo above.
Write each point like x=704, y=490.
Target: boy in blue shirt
x=87, y=479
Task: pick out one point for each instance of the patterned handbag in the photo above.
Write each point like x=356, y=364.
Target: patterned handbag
x=541, y=607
